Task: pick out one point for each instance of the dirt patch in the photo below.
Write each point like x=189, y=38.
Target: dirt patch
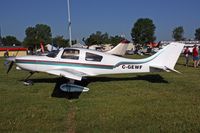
x=71, y=122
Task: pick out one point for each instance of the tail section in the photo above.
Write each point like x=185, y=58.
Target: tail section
x=167, y=57
x=120, y=49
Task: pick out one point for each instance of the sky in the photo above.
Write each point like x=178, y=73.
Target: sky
x=116, y=17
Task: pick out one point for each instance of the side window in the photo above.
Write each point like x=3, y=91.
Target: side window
x=93, y=57
x=70, y=54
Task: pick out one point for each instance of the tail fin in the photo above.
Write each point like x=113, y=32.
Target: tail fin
x=167, y=57
x=120, y=49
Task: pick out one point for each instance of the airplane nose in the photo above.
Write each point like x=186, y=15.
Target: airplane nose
x=11, y=59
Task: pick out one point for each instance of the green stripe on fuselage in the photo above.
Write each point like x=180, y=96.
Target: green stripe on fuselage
x=65, y=64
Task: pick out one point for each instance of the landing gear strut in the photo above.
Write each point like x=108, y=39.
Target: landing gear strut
x=28, y=82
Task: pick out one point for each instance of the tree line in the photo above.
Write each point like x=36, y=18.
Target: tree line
x=142, y=32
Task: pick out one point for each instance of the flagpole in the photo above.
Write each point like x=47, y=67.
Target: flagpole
x=69, y=24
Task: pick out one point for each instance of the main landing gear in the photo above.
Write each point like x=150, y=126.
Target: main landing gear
x=70, y=86
x=28, y=82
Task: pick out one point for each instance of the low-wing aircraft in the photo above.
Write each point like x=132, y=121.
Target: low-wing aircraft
x=76, y=63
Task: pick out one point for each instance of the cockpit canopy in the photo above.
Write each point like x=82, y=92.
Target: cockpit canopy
x=75, y=54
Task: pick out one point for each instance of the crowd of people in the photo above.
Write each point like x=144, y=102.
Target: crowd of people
x=195, y=56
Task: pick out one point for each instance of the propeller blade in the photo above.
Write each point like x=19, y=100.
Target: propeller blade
x=10, y=66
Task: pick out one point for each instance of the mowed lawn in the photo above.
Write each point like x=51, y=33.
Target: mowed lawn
x=126, y=103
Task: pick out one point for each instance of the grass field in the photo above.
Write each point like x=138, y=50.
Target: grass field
x=151, y=102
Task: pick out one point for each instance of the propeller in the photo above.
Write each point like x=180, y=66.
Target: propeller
x=11, y=60
x=10, y=66
x=9, y=63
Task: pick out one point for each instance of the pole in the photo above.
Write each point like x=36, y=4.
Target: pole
x=1, y=44
x=69, y=24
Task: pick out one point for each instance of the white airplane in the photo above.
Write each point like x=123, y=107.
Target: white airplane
x=76, y=63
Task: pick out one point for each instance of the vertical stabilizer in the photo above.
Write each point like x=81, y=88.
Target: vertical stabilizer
x=168, y=56
x=120, y=49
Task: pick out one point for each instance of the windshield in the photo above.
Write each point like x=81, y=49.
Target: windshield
x=53, y=53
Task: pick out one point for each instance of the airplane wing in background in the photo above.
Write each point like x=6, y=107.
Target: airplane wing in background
x=68, y=73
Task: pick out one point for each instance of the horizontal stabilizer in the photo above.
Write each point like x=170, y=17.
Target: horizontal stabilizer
x=173, y=70
x=164, y=68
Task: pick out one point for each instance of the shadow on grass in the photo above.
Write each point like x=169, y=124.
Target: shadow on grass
x=44, y=80
x=153, y=78
x=56, y=91
x=61, y=94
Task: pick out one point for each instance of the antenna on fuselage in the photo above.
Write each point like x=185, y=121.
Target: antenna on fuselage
x=69, y=24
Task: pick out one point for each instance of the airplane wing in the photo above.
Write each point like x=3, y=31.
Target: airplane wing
x=68, y=73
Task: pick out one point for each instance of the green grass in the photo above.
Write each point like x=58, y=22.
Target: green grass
x=153, y=102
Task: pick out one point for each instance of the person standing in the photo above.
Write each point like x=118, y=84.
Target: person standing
x=186, y=53
x=195, y=54
x=6, y=54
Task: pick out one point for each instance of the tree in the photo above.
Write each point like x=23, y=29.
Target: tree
x=10, y=41
x=37, y=34
x=178, y=33
x=30, y=39
x=114, y=40
x=197, y=34
x=143, y=31
x=60, y=41
x=97, y=38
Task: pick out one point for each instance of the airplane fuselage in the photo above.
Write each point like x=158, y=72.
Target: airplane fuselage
x=83, y=60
